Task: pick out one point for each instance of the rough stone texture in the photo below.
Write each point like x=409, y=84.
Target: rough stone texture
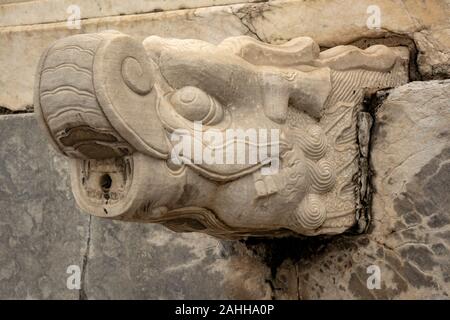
x=18, y=13
x=410, y=235
x=41, y=230
x=147, y=261
x=434, y=56
x=273, y=22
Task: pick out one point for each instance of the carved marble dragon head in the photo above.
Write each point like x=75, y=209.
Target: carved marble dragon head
x=118, y=109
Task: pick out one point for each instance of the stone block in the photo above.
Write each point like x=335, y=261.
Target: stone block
x=17, y=13
x=42, y=233
x=41, y=230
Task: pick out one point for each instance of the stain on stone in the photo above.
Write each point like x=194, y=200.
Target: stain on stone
x=398, y=286
x=424, y=207
x=440, y=249
x=247, y=14
x=438, y=187
x=420, y=255
x=392, y=260
x=411, y=218
x=380, y=252
x=438, y=220
x=416, y=278
x=427, y=196
x=395, y=40
x=443, y=134
x=358, y=287
x=190, y=191
x=7, y=111
x=409, y=234
x=429, y=188
x=404, y=206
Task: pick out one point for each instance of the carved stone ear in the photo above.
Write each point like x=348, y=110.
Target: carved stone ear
x=94, y=94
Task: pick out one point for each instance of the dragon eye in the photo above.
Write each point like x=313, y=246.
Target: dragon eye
x=196, y=105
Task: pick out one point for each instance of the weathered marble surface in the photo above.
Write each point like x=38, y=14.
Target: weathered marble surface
x=272, y=22
x=411, y=205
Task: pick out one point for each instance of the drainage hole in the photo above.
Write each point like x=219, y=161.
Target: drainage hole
x=105, y=182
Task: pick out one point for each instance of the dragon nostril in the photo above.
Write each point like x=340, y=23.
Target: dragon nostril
x=105, y=182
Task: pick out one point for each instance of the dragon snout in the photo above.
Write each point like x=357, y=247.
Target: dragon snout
x=89, y=89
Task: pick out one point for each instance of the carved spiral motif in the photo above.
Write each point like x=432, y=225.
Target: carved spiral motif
x=321, y=175
x=135, y=77
x=124, y=78
x=312, y=213
x=313, y=143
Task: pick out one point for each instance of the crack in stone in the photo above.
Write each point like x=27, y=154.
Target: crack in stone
x=394, y=39
x=145, y=12
x=82, y=292
x=364, y=197
x=299, y=295
x=6, y=111
x=273, y=252
x=244, y=15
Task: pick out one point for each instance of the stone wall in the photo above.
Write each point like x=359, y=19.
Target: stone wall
x=425, y=25
x=42, y=232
